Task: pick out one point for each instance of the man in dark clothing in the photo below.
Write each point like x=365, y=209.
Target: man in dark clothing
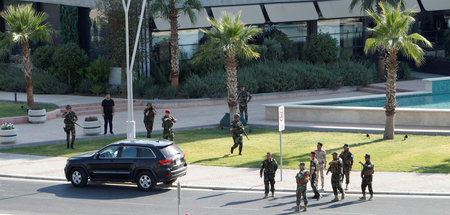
x=269, y=168
x=70, y=119
x=149, y=118
x=108, y=112
x=313, y=163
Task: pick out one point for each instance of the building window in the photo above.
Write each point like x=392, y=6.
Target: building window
x=347, y=32
x=297, y=33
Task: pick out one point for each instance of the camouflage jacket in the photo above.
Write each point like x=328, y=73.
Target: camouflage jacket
x=368, y=169
x=70, y=118
x=239, y=126
x=167, y=122
x=336, y=166
x=313, y=165
x=268, y=167
x=244, y=97
x=150, y=116
x=347, y=158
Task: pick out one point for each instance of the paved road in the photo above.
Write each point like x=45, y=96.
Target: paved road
x=48, y=197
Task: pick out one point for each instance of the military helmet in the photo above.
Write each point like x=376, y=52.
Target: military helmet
x=334, y=153
x=237, y=115
x=301, y=164
x=367, y=156
x=68, y=106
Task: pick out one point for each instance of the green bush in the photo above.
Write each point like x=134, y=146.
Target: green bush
x=42, y=57
x=275, y=76
x=322, y=48
x=4, y=55
x=285, y=42
x=69, y=60
x=271, y=50
x=404, y=71
x=11, y=78
x=46, y=83
x=99, y=70
x=85, y=87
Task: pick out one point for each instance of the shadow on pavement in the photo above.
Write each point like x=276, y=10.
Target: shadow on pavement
x=99, y=191
x=211, y=196
x=343, y=204
x=241, y=202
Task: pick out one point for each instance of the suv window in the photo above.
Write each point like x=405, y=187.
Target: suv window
x=146, y=153
x=170, y=150
x=110, y=152
x=129, y=152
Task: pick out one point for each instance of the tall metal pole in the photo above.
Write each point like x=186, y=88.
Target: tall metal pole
x=131, y=124
x=281, y=159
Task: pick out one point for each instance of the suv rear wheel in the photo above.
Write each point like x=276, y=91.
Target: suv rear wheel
x=78, y=177
x=145, y=181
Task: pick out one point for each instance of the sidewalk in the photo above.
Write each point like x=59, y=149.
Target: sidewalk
x=209, y=177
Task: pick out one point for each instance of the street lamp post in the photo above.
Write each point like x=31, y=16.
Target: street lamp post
x=131, y=124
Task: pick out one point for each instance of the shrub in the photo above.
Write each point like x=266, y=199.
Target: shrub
x=46, y=83
x=349, y=73
x=36, y=107
x=11, y=78
x=69, y=60
x=285, y=42
x=97, y=89
x=271, y=50
x=322, y=48
x=213, y=62
x=90, y=119
x=4, y=55
x=85, y=86
x=99, y=70
x=42, y=57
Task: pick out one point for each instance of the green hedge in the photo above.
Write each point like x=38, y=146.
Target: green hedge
x=274, y=76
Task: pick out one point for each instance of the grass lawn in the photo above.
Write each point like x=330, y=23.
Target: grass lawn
x=10, y=109
x=418, y=153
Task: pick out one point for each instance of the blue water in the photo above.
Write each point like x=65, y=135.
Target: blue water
x=432, y=101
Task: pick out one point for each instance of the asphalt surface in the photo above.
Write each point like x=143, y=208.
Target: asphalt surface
x=24, y=196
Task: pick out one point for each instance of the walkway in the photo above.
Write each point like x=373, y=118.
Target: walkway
x=210, y=177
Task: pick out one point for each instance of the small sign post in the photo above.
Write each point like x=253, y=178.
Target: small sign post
x=179, y=196
x=281, y=125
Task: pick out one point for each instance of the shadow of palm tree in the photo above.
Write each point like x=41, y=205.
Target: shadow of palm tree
x=440, y=168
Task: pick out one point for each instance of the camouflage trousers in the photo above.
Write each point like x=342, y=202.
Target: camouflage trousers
x=301, y=191
x=346, y=175
x=336, y=183
x=70, y=129
x=269, y=178
x=237, y=142
x=149, y=128
x=243, y=110
x=367, y=182
x=168, y=134
x=313, y=185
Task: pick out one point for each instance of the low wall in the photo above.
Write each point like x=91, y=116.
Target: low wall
x=24, y=119
x=360, y=115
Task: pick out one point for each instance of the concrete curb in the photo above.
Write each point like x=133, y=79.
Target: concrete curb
x=284, y=190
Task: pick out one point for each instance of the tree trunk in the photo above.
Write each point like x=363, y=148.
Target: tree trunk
x=174, y=49
x=391, y=101
x=26, y=68
x=232, y=82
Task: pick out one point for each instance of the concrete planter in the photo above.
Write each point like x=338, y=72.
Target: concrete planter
x=8, y=136
x=37, y=116
x=92, y=127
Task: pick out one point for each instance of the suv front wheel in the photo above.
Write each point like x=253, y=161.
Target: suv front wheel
x=145, y=181
x=78, y=177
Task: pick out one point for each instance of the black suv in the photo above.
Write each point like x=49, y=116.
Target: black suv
x=141, y=161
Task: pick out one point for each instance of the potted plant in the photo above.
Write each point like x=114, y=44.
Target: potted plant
x=91, y=125
x=8, y=133
x=37, y=114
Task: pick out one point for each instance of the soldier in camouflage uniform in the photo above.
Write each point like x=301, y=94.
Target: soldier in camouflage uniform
x=269, y=167
x=367, y=176
x=244, y=98
x=347, y=159
x=313, y=163
x=302, y=179
x=167, y=124
x=149, y=118
x=336, y=170
x=69, y=121
x=237, y=128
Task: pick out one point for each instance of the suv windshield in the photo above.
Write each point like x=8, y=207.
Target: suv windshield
x=170, y=150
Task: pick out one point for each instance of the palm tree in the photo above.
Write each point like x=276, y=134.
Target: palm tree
x=391, y=32
x=232, y=36
x=23, y=25
x=369, y=5
x=169, y=10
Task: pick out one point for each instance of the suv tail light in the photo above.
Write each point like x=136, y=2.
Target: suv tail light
x=184, y=155
x=164, y=162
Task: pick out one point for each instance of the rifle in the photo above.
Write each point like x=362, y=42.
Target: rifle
x=245, y=133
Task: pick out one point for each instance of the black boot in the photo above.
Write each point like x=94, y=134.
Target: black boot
x=232, y=150
x=71, y=146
